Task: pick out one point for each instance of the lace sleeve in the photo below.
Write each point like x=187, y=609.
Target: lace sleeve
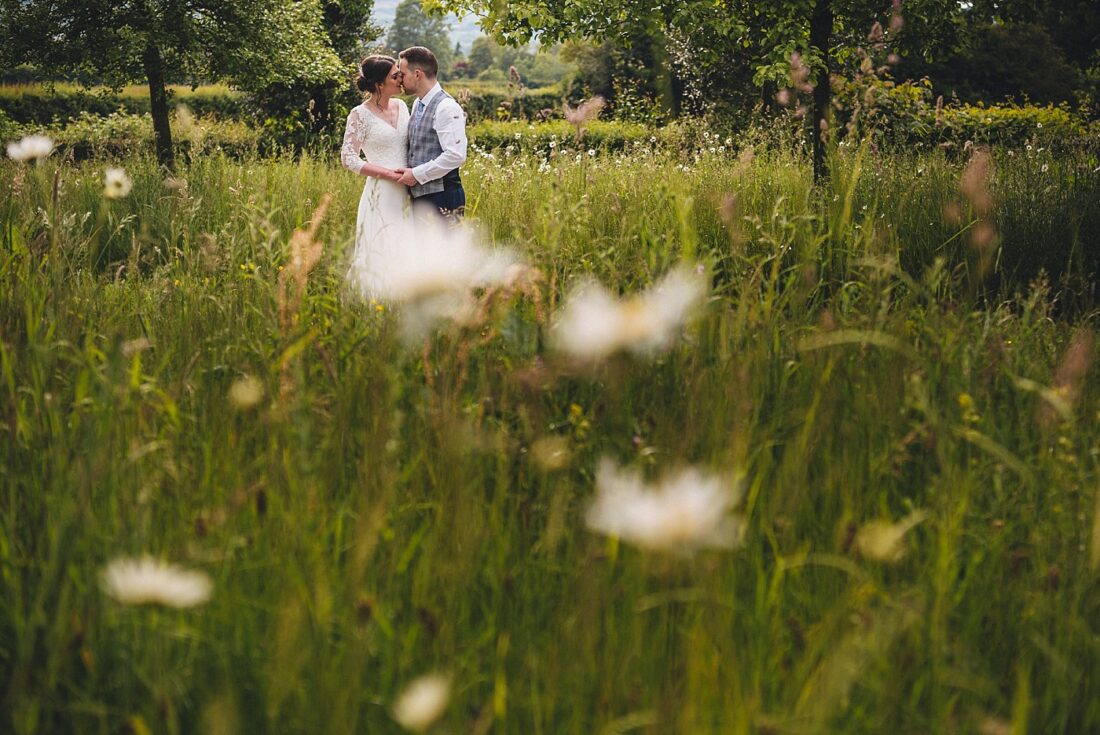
x=355, y=135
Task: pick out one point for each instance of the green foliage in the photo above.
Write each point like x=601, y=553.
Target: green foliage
x=546, y=137
x=1019, y=61
x=349, y=28
x=905, y=114
x=412, y=26
x=121, y=133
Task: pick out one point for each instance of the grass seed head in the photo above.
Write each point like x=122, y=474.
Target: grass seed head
x=885, y=541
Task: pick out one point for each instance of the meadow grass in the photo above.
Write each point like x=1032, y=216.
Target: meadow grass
x=382, y=514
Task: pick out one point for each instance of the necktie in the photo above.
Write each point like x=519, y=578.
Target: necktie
x=419, y=109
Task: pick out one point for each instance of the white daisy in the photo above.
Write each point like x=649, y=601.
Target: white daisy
x=116, y=183
x=683, y=512
x=30, y=148
x=422, y=702
x=147, y=581
x=593, y=325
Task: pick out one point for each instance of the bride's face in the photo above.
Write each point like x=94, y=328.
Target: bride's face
x=392, y=85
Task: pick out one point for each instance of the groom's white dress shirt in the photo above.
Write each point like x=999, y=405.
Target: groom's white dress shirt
x=450, y=126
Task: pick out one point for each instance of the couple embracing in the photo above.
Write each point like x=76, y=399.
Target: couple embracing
x=412, y=160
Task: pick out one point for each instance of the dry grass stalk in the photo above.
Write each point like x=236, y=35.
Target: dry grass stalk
x=896, y=19
x=305, y=253
x=522, y=280
x=800, y=74
x=583, y=114
x=1070, y=373
x=974, y=185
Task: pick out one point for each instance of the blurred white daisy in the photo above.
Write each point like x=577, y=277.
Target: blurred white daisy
x=683, y=512
x=116, y=183
x=147, y=581
x=246, y=392
x=593, y=325
x=422, y=702
x=30, y=148
x=885, y=541
x=433, y=271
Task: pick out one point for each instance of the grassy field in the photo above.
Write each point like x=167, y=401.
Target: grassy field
x=874, y=353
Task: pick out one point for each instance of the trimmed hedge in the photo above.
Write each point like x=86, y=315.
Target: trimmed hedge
x=544, y=137
x=37, y=106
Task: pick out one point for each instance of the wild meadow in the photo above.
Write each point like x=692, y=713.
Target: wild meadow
x=887, y=387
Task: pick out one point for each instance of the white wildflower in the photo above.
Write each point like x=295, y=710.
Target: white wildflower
x=422, y=702
x=246, y=392
x=147, y=581
x=682, y=513
x=885, y=541
x=116, y=183
x=593, y=325
x=30, y=148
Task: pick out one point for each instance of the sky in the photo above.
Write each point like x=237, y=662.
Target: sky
x=464, y=31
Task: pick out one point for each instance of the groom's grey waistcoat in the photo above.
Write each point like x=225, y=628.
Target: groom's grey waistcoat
x=424, y=146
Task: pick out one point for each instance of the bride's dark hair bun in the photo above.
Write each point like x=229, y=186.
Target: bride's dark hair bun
x=373, y=71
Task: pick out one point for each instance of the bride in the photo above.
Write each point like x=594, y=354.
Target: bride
x=379, y=129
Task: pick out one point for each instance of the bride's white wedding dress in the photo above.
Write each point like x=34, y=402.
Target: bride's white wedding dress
x=385, y=209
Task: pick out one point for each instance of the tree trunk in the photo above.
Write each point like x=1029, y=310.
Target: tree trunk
x=821, y=28
x=158, y=105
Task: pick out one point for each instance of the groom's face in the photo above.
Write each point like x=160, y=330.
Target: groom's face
x=411, y=77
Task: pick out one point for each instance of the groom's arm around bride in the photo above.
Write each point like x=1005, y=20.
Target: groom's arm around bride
x=437, y=136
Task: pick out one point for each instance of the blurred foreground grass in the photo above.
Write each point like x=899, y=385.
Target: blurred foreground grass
x=385, y=511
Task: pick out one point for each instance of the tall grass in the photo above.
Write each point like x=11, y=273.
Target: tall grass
x=383, y=519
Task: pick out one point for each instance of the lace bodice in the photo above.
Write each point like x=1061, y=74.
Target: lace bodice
x=380, y=142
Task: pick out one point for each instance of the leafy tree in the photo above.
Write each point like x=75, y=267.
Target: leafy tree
x=1017, y=60
x=349, y=27
x=482, y=55
x=724, y=35
x=295, y=109
x=1041, y=49
x=412, y=26
x=1073, y=25
x=250, y=42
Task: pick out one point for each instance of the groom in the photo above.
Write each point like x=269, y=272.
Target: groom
x=437, y=136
